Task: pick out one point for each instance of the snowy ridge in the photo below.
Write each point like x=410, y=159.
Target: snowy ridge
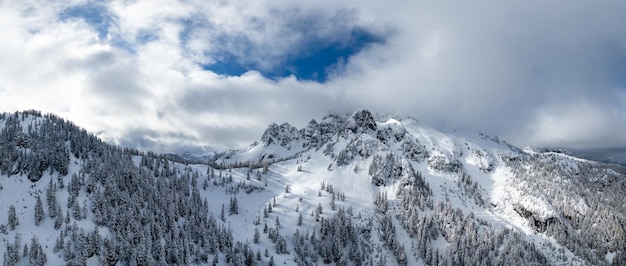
x=358, y=189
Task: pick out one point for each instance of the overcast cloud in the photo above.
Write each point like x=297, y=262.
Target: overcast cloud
x=162, y=74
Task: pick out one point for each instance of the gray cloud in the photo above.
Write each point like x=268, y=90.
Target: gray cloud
x=117, y=80
x=500, y=68
x=611, y=155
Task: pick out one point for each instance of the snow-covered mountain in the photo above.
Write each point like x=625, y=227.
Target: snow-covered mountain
x=357, y=189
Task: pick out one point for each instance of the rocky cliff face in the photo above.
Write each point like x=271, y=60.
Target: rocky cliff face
x=282, y=135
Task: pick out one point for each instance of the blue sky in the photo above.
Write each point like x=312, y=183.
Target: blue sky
x=191, y=74
x=94, y=14
x=316, y=60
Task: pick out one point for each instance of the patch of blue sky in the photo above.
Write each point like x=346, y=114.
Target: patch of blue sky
x=191, y=24
x=94, y=14
x=101, y=20
x=313, y=62
x=325, y=57
x=228, y=65
x=142, y=37
x=145, y=36
x=125, y=45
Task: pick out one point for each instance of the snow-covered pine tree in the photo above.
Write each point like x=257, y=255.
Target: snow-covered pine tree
x=36, y=255
x=222, y=217
x=12, y=216
x=299, y=219
x=233, y=207
x=39, y=215
x=257, y=236
x=51, y=199
x=58, y=221
x=77, y=211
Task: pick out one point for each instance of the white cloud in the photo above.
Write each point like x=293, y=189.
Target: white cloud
x=534, y=72
x=579, y=125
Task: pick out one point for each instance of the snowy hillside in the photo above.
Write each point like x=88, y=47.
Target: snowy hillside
x=352, y=189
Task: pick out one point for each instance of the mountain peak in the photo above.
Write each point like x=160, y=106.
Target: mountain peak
x=363, y=122
x=280, y=135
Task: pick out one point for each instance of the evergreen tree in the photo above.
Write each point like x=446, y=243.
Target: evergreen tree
x=68, y=252
x=12, y=253
x=58, y=221
x=13, y=220
x=58, y=245
x=39, y=215
x=257, y=236
x=36, y=255
x=51, y=199
x=233, y=208
x=77, y=211
x=299, y=219
x=216, y=260
x=222, y=217
x=108, y=255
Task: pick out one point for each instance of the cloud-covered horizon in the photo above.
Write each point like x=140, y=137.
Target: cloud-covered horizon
x=168, y=74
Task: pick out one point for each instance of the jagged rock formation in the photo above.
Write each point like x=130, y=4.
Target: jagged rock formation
x=280, y=135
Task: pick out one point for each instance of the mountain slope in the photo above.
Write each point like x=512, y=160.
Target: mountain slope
x=548, y=197
x=349, y=190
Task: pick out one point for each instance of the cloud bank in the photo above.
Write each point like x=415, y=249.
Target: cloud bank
x=171, y=75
